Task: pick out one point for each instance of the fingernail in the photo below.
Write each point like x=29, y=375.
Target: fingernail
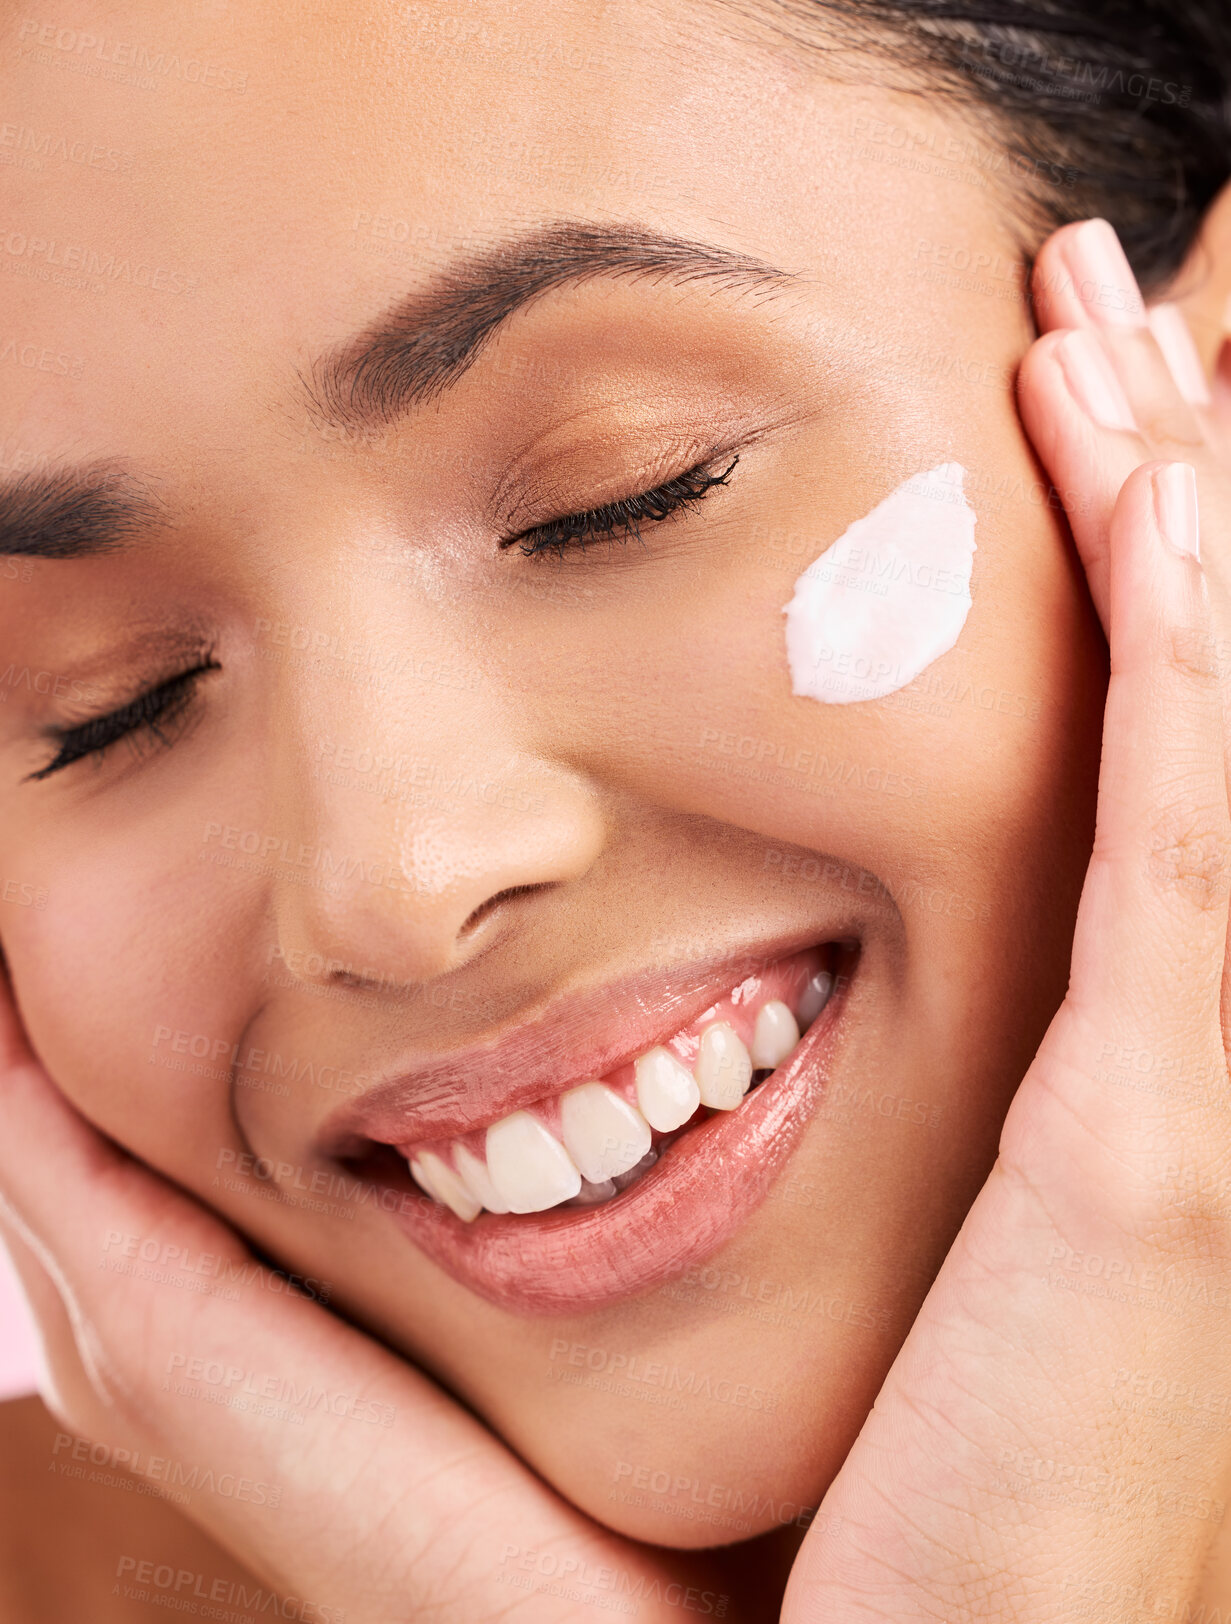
x=1175, y=507
x=1102, y=276
x=1180, y=353
x=1092, y=380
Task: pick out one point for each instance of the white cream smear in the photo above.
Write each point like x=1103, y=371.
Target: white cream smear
x=888, y=597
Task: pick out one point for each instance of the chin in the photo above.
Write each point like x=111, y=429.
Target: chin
x=716, y=1485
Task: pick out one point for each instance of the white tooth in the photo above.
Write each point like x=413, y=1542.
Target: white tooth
x=444, y=1184
x=774, y=1035
x=666, y=1090
x=473, y=1174
x=423, y=1179
x=723, y=1069
x=815, y=997
x=602, y=1132
x=529, y=1166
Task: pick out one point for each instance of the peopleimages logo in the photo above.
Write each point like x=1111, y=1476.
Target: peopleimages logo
x=43, y=145
x=167, y=1471
x=182, y=1589
x=236, y=1381
x=654, y=1374
x=170, y=1262
x=38, y=253
x=749, y=1505
x=79, y=43
x=40, y=358
x=279, y=849
x=558, y=1569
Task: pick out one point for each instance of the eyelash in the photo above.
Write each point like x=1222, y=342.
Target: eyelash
x=163, y=706
x=149, y=713
x=616, y=521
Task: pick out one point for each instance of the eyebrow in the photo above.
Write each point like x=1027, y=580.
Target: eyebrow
x=74, y=512
x=409, y=355
x=423, y=344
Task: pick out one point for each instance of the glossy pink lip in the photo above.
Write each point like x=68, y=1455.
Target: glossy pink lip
x=589, y=1034
x=705, y=1187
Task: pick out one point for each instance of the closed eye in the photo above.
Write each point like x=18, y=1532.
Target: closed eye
x=155, y=714
x=617, y=521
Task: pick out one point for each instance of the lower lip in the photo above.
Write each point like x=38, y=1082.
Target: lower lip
x=702, y=1190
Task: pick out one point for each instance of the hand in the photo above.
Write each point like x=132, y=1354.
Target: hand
x=1049, y=1443
x=427, y=1518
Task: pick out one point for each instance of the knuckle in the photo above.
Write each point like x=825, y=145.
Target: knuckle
x=1169, y=430
x=1189, y=855
x=1192, y=652
x=1198, y=1238
x=75, y=1397
x=1137, y=1202
x=1179, y=1232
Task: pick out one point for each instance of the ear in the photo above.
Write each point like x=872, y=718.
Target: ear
x=1202, y=290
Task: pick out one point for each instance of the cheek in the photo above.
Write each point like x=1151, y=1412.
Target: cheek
x=124, y=986
x=962, y=773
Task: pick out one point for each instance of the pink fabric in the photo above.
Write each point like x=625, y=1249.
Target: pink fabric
x=18, y=1345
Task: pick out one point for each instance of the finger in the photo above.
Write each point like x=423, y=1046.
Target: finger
x=1082, y=426
x=68, y=1380
x=74, y=1378
x=1082, y=279
x=1082, y=276
x=46, y=1311
x=208, y=1378
x=1100, y=398
x=999, y=1367
x=1097, y=404
x=1175, y=341
x=1108, y=389
x=1150, y=935
x=390, y=1494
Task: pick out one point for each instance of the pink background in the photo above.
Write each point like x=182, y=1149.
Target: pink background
x=18, y=1357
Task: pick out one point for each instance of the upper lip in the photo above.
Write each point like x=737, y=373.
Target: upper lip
x=580, y=1035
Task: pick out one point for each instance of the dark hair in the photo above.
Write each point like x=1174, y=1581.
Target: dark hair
x=1118, y=108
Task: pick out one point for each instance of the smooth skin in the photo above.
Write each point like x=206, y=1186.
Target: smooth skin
x=373, y=145
x=926, y=1518
x=603, y=825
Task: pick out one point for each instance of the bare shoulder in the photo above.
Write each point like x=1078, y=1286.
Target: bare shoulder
x=73, y=1529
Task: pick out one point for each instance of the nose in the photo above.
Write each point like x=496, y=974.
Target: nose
x=408, y=839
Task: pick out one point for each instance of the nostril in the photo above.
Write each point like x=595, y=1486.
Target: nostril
x=485, y=909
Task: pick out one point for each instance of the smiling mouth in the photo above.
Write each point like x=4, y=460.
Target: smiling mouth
x=584, y=1146
x=613, y=1181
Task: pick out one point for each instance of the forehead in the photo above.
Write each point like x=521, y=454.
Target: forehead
x=254, y=132
x=199, y=199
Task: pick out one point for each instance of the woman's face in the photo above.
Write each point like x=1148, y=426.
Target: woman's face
x=447, y=829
